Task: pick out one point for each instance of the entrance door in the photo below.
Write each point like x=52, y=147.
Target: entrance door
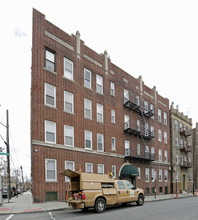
x=184, y=181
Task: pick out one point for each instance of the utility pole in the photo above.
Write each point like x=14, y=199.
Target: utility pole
x=8, y=155
x=22, y=178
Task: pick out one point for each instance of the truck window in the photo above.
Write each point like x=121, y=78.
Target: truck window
x=121, y=185
x=129, y=185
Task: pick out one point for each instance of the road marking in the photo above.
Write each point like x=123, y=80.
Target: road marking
x=52, y=217
x=9, y=217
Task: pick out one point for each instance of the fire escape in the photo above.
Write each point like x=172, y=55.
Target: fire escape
x=141, y=130
x=185, y=147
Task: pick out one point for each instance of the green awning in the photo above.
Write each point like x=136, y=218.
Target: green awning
x=128, y=170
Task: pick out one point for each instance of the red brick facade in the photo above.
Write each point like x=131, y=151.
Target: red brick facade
x=46, y=35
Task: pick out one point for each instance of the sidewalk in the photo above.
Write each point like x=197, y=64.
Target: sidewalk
x=23, y=203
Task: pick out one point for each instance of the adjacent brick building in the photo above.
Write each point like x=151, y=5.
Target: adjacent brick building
x=195, y=154
x=88, y=114
x=181, y=151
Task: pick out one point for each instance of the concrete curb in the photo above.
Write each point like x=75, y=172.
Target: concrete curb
x=156, y=200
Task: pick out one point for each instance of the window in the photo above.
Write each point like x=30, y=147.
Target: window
x=165, y=118
x=160, y=155
x=152, y=131
x=100, y=142
x=147, y=151
x=69, y=135
x=126, y=95
x=181, y=143
x=165, y=137
x=176, y=159
x=114, y=171
x=176, y=141
x=99, y=113
x=89, y=167
x=100, y=168
x=159, y=135
x=99, y=84
x=113, y=143
x=152, y=152
x=120, y=184
x=176, y=125
x=166, y=175
x=126, y=121
x=138, y=149
x=50, y=95
x=139, y=173
x=160, y=175
x=153, y=175
x=50, y=132
x=68, y=69
x=152, y=109
x=129, y=185
x=87, y=108
x=138, y=125
x=50, y=170
x=159, y=115
x=165, y=156
x=147, y=174
x=50, y=60
x=112, y=86
x=137, y=100
x=127, y=148
x=87, y=78
x=189, y=176
x=88, y=140
x=71, y=166
x=145, y=106
x=68, y=102
x=112, y=116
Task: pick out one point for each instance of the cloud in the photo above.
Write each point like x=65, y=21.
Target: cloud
x=19, y=33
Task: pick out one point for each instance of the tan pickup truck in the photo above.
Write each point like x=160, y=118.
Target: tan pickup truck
x=98, y=191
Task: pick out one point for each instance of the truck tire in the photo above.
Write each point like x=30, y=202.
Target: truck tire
x=140, y=200
x=100, y=205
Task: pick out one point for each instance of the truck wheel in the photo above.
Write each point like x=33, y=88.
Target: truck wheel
x=100, y=205
x=140, y=200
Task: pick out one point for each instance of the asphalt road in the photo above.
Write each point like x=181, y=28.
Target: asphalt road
x=176, y=209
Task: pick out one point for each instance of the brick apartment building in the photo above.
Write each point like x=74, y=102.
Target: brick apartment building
x=181, y=151
x=195, y=156
x=88, y=114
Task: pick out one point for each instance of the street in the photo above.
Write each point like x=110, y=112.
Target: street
x=183, y=209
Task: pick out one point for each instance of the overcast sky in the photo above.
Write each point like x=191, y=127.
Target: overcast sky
x=157, y=39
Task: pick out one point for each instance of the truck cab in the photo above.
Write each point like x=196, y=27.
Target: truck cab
x=98, y=191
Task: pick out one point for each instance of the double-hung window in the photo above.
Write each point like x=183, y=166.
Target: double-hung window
x=166, y=175
x=50, y=170
x=160, y=175
x=50, y=95
x=126, y=95
x=126, y=122
x=68, y=102
x=69, y=135
x=87, y=108
x=50, y=132
x=88, y=140
x=112, y=116
x=99, y=113
x=153, y=175
x=112, y=87
x=89, y=167
x=165, y=156
x=114, y=171
x=127, y=148
x=70, y=165
x=68, y=69
x=113, y=143
x=159, y=135
x=100, y=168
x=100, y=142
x=87, y=78
x=50, y=60
x=159, y=115
x=147, y=174
x=160, y=155
x=165, y=137
x=165, y=118
x=99, y=84
x=139, y=173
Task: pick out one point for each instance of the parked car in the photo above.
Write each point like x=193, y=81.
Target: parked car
x=5, y=192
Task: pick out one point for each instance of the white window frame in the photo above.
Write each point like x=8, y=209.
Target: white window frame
x=126, y=95
x=113, y=116
x=139, y=173
x=127, y=147
x=91, y=167
x=165, y=137
x=165, y=118
x=54, y=94
x=176, y=125
x=112, y=88
x=176, y=141
x=87, y=80
x=55, y=170
x=86, y=138
x=114, y=171
x=99, y=84
x=70, y=129
x=166, y=156
x=99, y=112
x=160, y=175
x=67, y=74
x=138, y=149
x=166, y=175
x=100, y=143
x=113, y=143
x=88, y=102
x=176, y=159
x=146, y=174
x=153, y=175
x=126, y=121
x=102, y=167
x=67, y=179
x=159, y=115
x=70, y=96
x=160, y=154
x=50, y=59
x=159, y=135
x=50, y=123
